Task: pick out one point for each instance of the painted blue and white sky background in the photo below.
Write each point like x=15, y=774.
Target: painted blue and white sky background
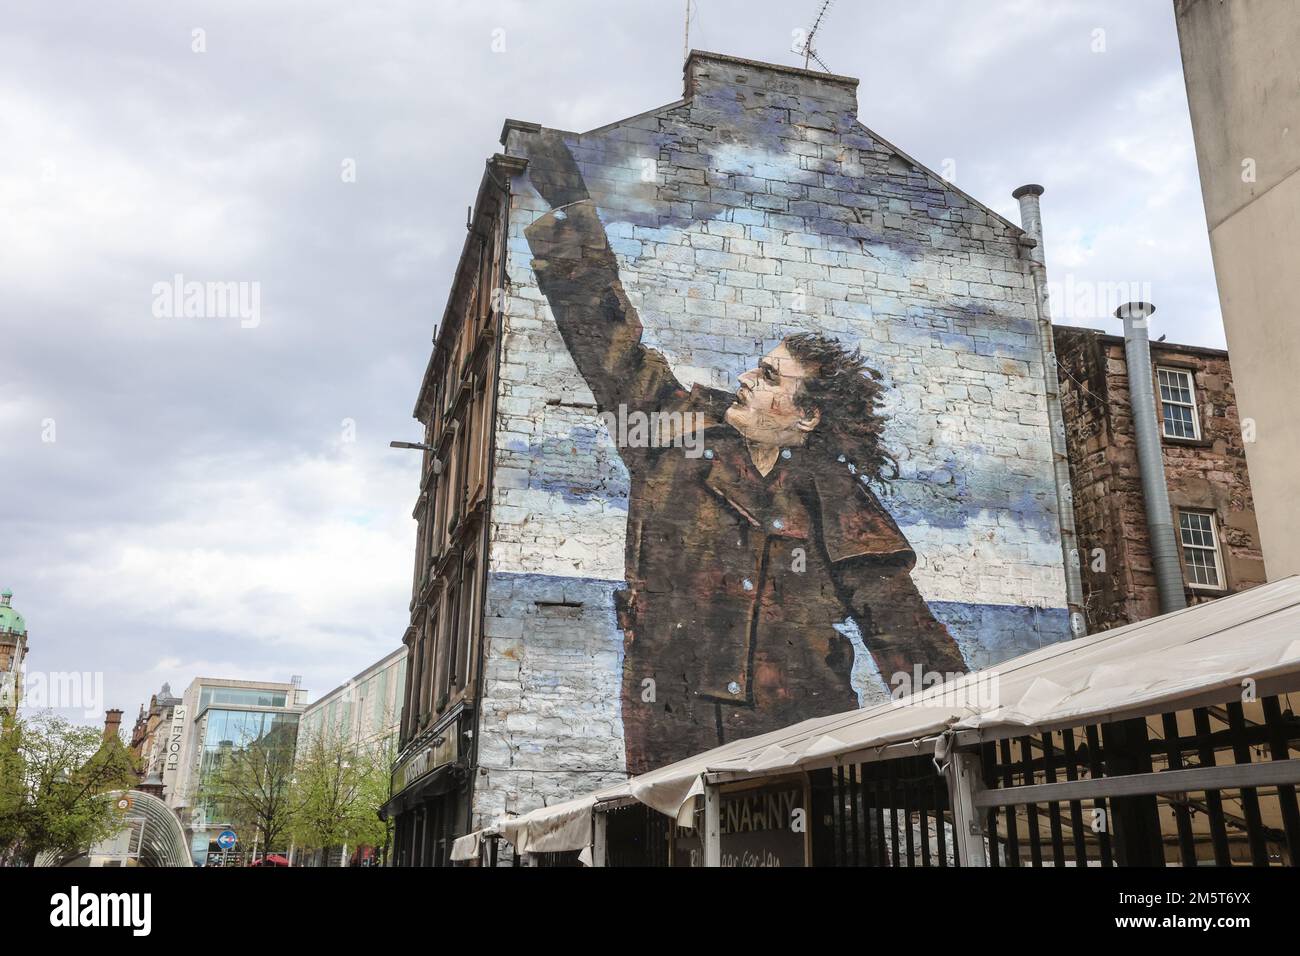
x=201, y=509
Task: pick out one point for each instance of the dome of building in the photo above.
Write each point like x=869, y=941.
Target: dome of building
x=11, y=622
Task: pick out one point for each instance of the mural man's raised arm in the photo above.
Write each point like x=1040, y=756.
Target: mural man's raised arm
x=577, y=272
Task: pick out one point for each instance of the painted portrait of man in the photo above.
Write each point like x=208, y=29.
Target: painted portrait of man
x=744, y=556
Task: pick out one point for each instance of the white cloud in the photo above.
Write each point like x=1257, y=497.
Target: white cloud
x=294, y=554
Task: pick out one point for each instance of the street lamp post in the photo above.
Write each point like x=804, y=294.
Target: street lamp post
x=419, y=446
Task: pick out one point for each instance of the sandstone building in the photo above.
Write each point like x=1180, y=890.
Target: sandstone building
x=152, y=741
x=1204, y=458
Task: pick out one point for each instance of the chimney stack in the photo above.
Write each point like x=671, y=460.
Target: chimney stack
x=1031, y=217
x=112, y=724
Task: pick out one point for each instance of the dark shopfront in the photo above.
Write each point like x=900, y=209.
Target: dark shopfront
x=760, y=824
x=430, y=805
x=424, y=834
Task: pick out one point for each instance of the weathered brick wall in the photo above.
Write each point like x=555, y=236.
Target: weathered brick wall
x=757, y=207
x=1103, y=513
x=1209, y=474
x=551, y=672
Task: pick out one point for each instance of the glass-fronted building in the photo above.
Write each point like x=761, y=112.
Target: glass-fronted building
x=218, y=718
x=367, y=709
x=243, y=696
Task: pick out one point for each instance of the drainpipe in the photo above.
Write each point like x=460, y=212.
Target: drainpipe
x=1031, y=220
x=1151, y=464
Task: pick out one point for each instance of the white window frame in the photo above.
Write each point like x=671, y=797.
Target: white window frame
x=1190, y=377
x=1216, y=550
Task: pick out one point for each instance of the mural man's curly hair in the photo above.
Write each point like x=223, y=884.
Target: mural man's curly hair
x=847, y=393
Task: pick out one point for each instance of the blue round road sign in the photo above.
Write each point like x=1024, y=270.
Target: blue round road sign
x=226, y=839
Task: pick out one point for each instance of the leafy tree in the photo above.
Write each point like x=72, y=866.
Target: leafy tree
x=12, y=790
x=252, y=786
x=338, y=789
x=55, y=781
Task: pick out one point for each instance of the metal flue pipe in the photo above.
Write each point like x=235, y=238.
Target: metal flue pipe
x=1155, y=492
x=1031, y=220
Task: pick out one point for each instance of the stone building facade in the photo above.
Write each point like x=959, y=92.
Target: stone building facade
x=752, y=255
x=432, y=778
x=151, y=740
x=1205, y=471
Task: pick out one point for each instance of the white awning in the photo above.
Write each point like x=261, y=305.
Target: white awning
x=466, y=847
x=1142, y=668
x=560, y=827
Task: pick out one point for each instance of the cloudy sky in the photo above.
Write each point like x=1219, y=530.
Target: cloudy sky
x=184, y=496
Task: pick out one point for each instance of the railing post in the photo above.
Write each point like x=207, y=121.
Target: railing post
x=964, y=781
x=1135, y=820
x=599, y=824
x=711, y=836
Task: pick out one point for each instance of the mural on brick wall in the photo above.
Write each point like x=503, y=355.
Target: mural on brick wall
x=772, y=437
x=752, y=526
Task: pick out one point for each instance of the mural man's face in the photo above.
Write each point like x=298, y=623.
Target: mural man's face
x=766, y=410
